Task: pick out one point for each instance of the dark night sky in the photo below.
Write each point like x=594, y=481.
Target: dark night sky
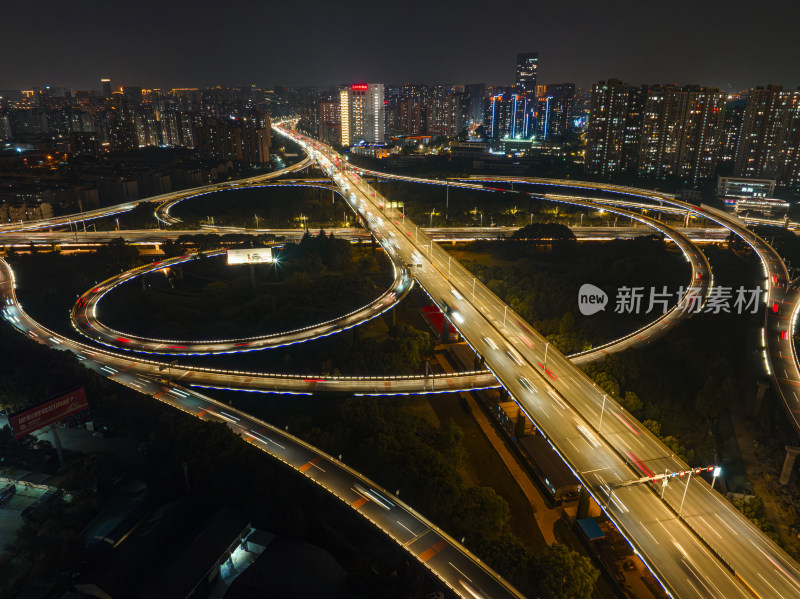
x=175, y=43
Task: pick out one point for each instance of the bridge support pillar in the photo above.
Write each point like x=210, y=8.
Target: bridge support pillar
x=762, y=389
x=788, y=464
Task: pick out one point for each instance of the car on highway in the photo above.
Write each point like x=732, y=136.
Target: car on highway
x=527, y=384
x=515, y=357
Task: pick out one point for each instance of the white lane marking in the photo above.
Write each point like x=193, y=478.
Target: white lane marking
x=651, y=534
x=218, y=415
x=694, y=587
x=770, y=586
x=406, y=527
x=460, y=572
x=726, y=524
x=667, y=531
x=709, y=526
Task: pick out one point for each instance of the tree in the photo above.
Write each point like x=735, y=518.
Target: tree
x=506, y=553
x=713, y=397
x=544, y=231
x=631, y=402
x=560, y=573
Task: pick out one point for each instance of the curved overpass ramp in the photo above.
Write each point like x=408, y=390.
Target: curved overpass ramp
x=85, y=320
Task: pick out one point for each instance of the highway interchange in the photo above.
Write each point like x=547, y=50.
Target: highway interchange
x=601, y=442
x=734, y=557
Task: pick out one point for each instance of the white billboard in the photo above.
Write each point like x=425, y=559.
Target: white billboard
x=250, y=256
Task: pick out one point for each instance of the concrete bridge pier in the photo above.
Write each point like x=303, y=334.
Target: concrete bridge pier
x=762, y=389
x=788, y=464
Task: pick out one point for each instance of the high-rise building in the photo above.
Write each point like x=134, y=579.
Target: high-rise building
x=475, y=101
x=105, y=88
x=509, y=115
x=731, y=130
x=681, y=132
x=527, y=66
x=703, y=134
x=662, y=131
x=770, y=136
x=614, y=128
x=330, y=120
x=444, y=118
x=562, y=98
x=362, y=113
x=659, y=131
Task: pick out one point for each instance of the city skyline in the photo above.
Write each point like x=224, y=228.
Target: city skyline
x=581, y=44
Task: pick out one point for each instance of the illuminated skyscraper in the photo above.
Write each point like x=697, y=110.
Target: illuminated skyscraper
x=475, y=94
x=562, y=98
x=362, y=113
x=527, y=66
x=105, y=90
x=509, y=115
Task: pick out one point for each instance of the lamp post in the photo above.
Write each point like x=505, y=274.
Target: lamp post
x=602, y=411
x=688, y=480
x=717, y=471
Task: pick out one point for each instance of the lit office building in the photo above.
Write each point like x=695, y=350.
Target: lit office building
x=362, y=113
x=509, y=115
x=474, y=102
x=558, y=109
x=527, y=66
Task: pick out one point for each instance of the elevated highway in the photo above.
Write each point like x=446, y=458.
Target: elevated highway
x=695, y=542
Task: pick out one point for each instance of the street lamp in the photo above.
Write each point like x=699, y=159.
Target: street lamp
x=686, y=488
x=717, y=472
x=602, y=411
